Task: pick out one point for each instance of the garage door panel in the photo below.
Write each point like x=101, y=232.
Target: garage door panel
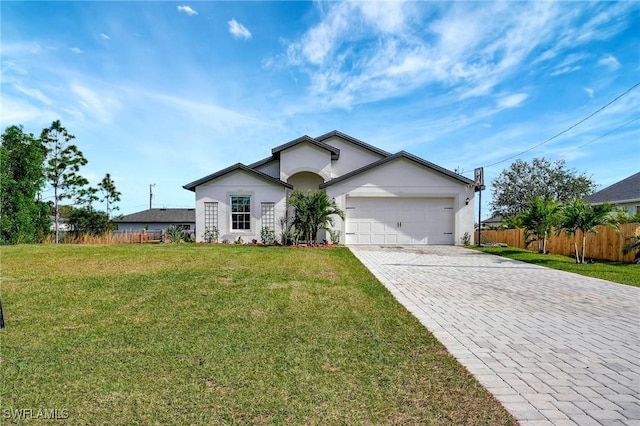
x=378, y=227
x=392, y=220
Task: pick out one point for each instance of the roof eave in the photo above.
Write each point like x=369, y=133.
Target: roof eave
x=354, y=141
x=238, y=166
x=401, y=154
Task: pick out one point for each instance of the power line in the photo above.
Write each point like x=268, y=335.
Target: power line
x=567, y=129
x=608, y=133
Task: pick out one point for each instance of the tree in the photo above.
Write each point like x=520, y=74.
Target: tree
x=109, y=193
x=580, y=216
x=62, y=165
x=22, y=218
x=87, y=221
x=312, y=212
x=522, y=182
x=539, y=219
x=87, y=196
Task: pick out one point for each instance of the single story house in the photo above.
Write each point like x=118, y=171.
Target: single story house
x=157, y=220
x=387, y=198
x=624, y=194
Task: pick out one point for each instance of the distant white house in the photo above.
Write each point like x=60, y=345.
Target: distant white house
x=157, y=220
x=388, y=198
x=624, y=194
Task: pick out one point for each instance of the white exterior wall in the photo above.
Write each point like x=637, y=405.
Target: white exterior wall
x=238, y=182
x=404, y=178
x=352, y=157
x=272, y=168
x=632, y=207
x=305, y=157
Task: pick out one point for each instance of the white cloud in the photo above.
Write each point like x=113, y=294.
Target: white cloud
x=360, y=52
x=238, y=30
x=105, y=37
x=100, y=105
x=77, y=50
x=388, y=17
x=512, y=101
x=23, y=112
x=589, y=91
x=187, y=9
x=34, y=93
x=565, y=70
x=610, y=62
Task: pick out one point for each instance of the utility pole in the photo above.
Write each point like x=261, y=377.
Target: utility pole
x=479, y=183
x=151, y=185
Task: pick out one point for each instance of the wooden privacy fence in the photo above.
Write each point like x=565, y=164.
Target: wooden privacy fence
x=606, y=244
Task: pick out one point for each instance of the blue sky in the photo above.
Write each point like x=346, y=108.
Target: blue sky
x=168, y=92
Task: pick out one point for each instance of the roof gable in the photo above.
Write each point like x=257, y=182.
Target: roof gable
x=401, y=154
x=335, y=152
x=625, y=190
x=353, y=140
x=238, y=166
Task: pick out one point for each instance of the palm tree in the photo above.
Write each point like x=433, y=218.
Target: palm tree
x=578, y=215
x=634, y=244
x=539, y=219
x=313, y=211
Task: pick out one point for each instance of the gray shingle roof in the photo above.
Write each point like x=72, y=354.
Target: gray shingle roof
x=239, y=166
x=354, y=141
x=160, y=216
x=335, y=152
x=626, y=190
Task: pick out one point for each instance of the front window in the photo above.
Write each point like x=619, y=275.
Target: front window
x=241, y=213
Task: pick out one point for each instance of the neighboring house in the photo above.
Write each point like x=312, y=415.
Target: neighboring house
x=157, y=219
x=493, y=222
x=624, y=194
x=387, y=198
x=63, y=226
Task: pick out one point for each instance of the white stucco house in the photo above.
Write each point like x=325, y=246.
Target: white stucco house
x=387, y=198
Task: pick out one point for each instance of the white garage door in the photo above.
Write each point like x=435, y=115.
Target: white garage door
x=399, y=221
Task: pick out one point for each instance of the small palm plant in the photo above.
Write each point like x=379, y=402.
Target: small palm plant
x=580, y=216
x=539, y=219
x=313, y=211
x=634, y=244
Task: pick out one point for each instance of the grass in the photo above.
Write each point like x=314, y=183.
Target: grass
x=618, y=272
x=223, y=334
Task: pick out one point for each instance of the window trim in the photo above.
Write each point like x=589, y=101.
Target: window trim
x=231, y=213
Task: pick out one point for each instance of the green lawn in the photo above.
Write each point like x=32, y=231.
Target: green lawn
x=223, y=334
x=623, y=273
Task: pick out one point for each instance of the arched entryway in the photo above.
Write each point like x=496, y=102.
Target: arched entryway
x=305, y=181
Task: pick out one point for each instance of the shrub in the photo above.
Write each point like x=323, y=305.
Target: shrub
x=466, y=239
x=267, y=235
x=211, y=235
x=176, y=234
x=334, y=235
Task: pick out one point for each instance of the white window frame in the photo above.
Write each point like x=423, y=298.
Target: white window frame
x=232, y=213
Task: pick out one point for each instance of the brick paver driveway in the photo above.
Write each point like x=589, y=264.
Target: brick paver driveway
x=555, y=348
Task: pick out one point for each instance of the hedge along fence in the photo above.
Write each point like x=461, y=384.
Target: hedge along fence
x=606, y=244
